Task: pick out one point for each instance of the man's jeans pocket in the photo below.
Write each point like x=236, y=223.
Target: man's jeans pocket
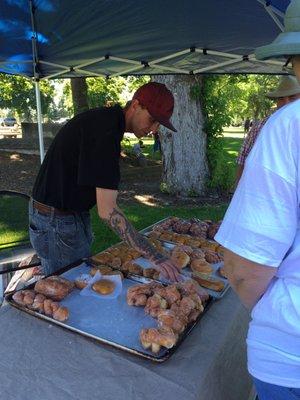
x=39, y=240
x=67, y=233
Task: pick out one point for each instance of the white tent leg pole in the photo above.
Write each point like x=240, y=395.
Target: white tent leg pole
x=39, y=119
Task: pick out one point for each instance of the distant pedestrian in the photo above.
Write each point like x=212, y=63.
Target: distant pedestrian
x=156, y=144
x=247, y=125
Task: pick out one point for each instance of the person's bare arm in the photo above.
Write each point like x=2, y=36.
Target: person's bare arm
x=113, y=216
x=249, y=280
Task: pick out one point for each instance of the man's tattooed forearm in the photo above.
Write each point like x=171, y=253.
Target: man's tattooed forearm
x=123, y=228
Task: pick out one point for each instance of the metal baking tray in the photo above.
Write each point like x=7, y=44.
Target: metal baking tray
x=146, y=231
x=187, y=271
x=106, y=321
x=144, y=263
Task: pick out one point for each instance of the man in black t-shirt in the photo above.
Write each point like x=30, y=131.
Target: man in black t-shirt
x=81, y=169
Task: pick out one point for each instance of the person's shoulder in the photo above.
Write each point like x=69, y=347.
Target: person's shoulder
x=290, y=111
x=285, y=117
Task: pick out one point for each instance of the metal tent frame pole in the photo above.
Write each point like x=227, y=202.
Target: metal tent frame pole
x=36, y=81
x=39, y=119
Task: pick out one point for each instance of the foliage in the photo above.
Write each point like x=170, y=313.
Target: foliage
x=214, y=105
x=135, y=82
x=227, y=99
x=102, y=91
x=17, y=94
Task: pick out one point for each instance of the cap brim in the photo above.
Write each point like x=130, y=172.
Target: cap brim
x=166, y=123
x=282, y=93
x=286, y=44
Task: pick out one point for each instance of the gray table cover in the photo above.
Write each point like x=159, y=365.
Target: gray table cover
x=41, y=361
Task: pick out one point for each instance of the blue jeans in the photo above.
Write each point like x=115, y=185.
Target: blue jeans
x=267, y=391
x=59, y=240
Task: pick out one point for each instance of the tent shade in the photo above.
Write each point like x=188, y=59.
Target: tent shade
x=132, y=37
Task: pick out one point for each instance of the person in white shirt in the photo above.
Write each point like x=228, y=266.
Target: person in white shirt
x=261, y=232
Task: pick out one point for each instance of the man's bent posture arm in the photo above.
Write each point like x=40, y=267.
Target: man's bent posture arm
x=113, y=216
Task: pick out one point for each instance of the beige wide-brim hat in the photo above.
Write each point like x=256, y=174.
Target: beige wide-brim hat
x=288, y=86
x=287, y=43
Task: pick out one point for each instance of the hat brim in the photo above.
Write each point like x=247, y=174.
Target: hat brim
x=286, y=44
x=282, y=93
x=165, y=122
x=168, y=125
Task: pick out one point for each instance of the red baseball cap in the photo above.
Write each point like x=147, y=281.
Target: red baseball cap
x=158, y=100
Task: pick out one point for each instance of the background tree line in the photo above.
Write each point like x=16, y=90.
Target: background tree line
x=193, y=158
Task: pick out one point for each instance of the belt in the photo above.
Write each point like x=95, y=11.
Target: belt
x=47, y=210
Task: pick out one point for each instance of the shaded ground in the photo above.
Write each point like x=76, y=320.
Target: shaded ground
x=139, y=184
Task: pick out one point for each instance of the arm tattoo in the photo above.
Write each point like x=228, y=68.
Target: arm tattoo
x=119, y=223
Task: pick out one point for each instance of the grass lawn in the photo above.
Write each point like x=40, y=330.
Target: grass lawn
x=147, y=150
x=13, y=220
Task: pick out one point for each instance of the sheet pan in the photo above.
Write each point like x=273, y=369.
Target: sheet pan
x=111, y=322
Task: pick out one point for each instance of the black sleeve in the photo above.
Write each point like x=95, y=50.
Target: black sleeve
x=99, y=155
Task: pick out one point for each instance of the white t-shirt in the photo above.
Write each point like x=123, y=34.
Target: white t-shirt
x=262, y=224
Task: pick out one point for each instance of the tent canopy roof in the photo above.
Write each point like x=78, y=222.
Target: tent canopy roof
x=69, y=38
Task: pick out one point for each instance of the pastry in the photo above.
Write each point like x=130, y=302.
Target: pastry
x=134, y=268
x=102, y=258
x=54, y=287
x=180, y=258
x=103, y=269
x=200, y=265
x=116, y=273
x=38, y=302
x=61, y=314
x=82, y=281
x=222, y=272
x=104, y=286
x=216, y=285
x=155, y=338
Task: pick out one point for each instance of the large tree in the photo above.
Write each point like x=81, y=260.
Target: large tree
x=79, y=95
x=185, y=169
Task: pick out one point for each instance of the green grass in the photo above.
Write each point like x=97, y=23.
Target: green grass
x=142, y=216
x=13, y=220
x=128, y=143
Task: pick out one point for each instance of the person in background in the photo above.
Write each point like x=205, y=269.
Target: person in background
x=246, y=125
x=156, y=144
x=137, y=150
x=81, y=169
x=288, y=90
x=261, y=236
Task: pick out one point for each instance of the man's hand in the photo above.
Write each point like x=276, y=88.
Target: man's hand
x=168, y=270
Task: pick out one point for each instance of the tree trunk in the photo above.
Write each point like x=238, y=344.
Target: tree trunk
x=79, y=95
x=185, y=168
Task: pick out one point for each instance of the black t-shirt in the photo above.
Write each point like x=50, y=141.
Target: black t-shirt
x=84, y=155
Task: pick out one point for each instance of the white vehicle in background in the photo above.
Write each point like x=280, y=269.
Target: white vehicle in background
x=9, y=121
x=9, y=128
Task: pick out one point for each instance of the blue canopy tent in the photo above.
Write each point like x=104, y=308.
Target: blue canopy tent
x=44, y=39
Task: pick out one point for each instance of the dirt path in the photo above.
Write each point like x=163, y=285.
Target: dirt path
x=138, y=185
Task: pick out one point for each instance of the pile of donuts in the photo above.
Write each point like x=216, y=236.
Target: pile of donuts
x=121, y=257
x=173, y=306
x=194, y=227
x=45, y=297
